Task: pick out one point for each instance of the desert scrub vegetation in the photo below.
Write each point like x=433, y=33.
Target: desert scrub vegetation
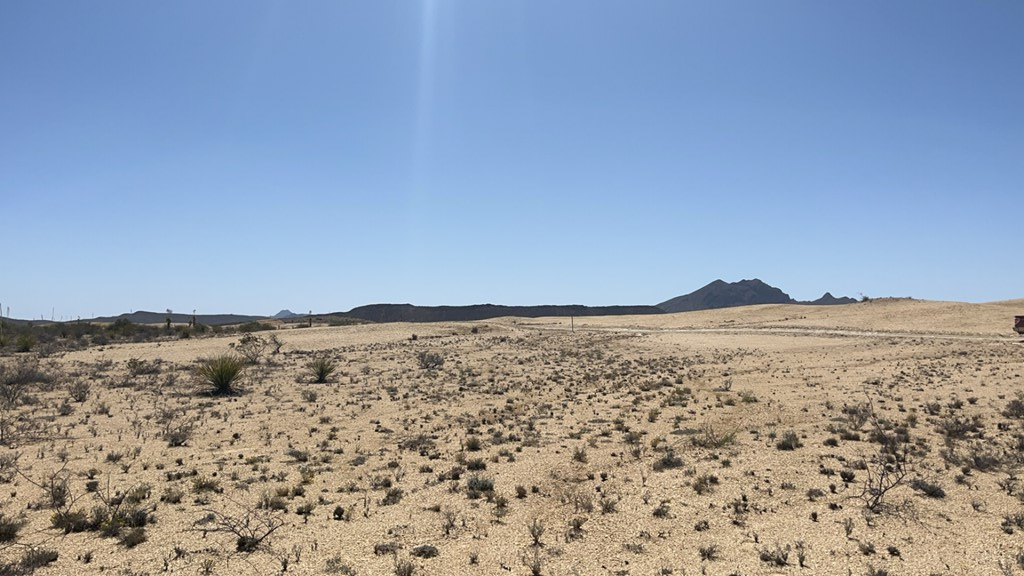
x=221, y=374
x=564, y=428
x=429, y=360
x=789, y=441
x=251, y=530
x=251, y=347
x=321, y=369
x=17, y=383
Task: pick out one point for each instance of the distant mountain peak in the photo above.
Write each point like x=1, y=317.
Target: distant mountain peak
x=829, y=299
x=284, y=314
x=722, y=294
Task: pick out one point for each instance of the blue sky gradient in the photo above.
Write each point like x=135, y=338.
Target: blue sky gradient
x=258, y=155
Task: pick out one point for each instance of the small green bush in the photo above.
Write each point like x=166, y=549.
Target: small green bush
x=322, y=369
x=24, y=343
x=222, y=373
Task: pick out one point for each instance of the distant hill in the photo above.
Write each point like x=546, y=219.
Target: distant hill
x=143, y=317
x=828, y=300
x=721, y=294
x=411, y=313
x=285, y=315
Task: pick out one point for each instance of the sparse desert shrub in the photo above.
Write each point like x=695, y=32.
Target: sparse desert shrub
x=477, y=485
x=202, y=484
x=448, y=523
x=222, y=373
x=777, y=556
x=305, y=509
x=711, y=438
x=138, y=367
x=705, y=483
x=929, y=489
x=322, y=369
x=429, y=360
x=858, y=414
x=172, y=495
x=270, y=501
x=662, y=510
x=10, y=526
x=8, y=466
x=79, y=391
x=536, y=528
x=424, y=551
x=251, y=347
x=404, y=567
x=709, y=552
x=789, y=441
x=1012, y=522
x=175, y=427
x=668, y=461
x=958, y=427
x=392, y=496
x=748, y=397
x=72, y=521
x=251, y=530
x=890, y=467
x=17, y=379
x=1015, y=408
x=382, y=548
x=133, y=537
x=36, y=558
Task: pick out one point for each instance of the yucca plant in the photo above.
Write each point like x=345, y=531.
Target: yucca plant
x=322, y=369
x=221, y=373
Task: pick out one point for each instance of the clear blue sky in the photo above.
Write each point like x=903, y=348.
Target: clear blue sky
x=250, y=156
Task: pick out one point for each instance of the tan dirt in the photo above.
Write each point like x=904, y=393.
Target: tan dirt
x=577, y=419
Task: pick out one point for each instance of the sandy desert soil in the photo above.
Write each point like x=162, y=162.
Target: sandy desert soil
x=740, y=441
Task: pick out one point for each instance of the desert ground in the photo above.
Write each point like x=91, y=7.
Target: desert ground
x=884, y=437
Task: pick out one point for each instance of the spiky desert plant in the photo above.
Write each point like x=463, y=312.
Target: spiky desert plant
x=322, y=369
x=221, y=373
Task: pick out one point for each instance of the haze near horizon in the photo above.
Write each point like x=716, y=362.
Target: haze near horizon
x=248, y=157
